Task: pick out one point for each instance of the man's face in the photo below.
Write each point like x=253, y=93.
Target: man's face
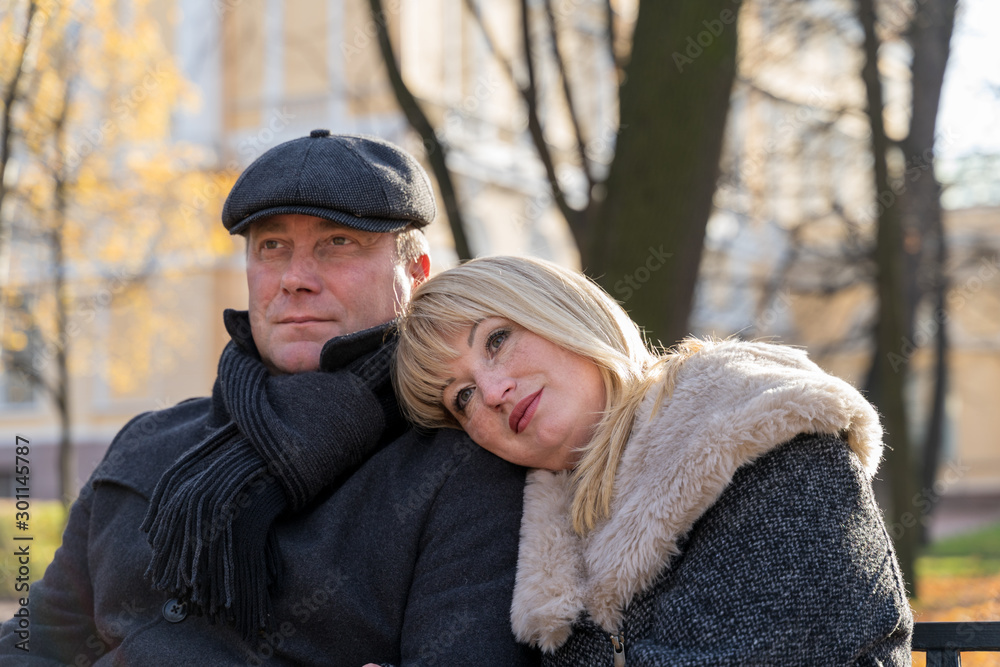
x=311, y=280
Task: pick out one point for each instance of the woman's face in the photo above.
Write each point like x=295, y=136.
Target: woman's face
x=521, y=397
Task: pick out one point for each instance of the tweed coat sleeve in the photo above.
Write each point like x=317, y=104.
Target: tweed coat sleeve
x=61, y=605
x=791, y=566
x=60, y=611
x=743, y=529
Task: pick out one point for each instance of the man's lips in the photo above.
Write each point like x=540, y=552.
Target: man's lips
x=521, y=416
x=300, y=319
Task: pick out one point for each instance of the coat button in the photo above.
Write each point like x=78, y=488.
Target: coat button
x=175, y=611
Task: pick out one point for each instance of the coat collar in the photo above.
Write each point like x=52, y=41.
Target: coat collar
x=732, y=402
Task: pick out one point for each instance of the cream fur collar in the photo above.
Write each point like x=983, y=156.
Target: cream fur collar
x=732, y=402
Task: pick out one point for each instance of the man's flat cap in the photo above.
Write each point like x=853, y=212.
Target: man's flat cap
x=361, y=182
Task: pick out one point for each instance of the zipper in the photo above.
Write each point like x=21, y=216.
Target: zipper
x=618, y=644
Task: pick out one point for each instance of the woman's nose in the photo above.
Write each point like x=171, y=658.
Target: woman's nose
x=497, y=388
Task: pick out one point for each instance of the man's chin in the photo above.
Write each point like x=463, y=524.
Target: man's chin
x=298, y=357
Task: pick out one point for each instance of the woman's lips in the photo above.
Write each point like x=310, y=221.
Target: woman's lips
x=521, y=416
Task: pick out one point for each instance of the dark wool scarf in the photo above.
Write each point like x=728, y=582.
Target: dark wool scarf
x=211, y=518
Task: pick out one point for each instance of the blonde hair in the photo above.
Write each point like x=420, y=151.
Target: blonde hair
x=562, y=306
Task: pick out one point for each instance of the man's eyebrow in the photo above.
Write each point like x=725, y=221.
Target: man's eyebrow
x=331, y=226
x=267, y=226
x=472, y=333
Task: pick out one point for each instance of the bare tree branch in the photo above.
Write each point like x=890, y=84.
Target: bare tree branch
x=10, y=95
x=568, y=94
x=609, y=27
x=20, y=365
x=752, y=84
x=574, y=218
x=491, y=45
x=418, y=120
x=530, y=94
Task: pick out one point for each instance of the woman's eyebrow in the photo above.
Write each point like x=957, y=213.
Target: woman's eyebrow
x=472, y=333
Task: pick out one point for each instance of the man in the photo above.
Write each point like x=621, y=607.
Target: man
x=293, y=517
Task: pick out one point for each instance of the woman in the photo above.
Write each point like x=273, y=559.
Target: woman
x=710, y=505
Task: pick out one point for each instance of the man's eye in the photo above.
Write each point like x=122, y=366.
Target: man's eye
x=270, y=244
x=463, y=397
x=340, y=240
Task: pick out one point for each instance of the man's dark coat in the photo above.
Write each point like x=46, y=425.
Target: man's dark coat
x=408, y=559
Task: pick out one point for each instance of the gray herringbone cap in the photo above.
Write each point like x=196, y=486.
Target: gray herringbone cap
x=361, y=182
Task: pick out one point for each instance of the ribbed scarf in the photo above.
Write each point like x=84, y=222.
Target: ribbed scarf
x=211, y=518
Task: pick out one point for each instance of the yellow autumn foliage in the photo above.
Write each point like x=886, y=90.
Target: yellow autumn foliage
x=95, y=174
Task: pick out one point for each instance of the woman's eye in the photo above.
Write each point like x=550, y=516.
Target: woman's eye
x=495, y=340
x=463, y=397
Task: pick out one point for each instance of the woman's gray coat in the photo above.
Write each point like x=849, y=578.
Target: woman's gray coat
x=743, y=530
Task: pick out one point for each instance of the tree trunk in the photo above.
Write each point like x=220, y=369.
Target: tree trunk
x=930, y=38
x=890, y=365
x=67, y=464
x=67, y=467
x=934, y=440
x=647, y=246
x=57, y=237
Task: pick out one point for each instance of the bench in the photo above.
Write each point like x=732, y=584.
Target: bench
x=944, y=642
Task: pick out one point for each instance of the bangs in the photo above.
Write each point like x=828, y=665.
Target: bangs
x=422, y=358
x=564, y=307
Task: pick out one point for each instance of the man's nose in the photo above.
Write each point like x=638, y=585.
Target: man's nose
x=301, y=274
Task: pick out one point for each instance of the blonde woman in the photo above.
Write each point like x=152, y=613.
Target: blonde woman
x=711, y=505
